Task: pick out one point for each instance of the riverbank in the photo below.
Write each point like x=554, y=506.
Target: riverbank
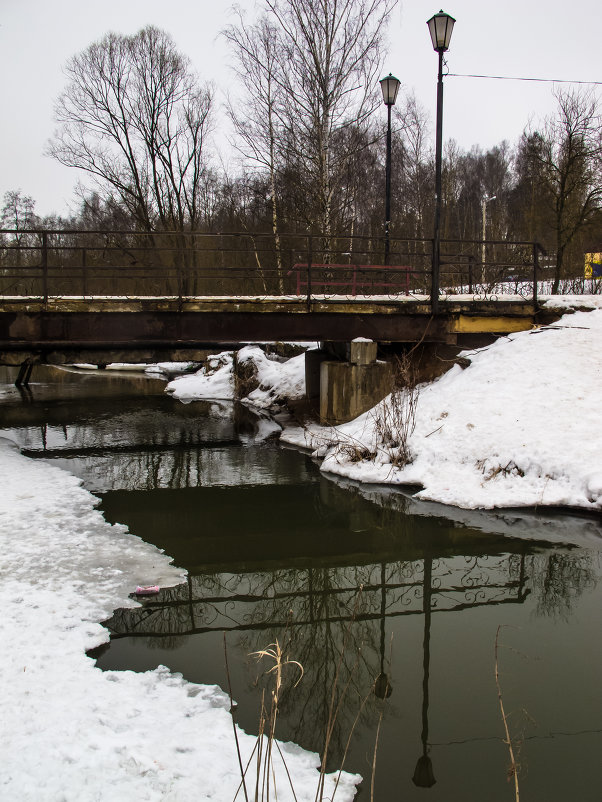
x=71, y=731
x=517, y=427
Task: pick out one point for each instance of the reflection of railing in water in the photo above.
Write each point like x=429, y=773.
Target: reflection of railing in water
x=324, y=616
x=126, y=448
x=184, y=613
x=334, y=645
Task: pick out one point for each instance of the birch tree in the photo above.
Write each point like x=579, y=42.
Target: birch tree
x=333, y=52
x=18, y=214
x=258, y=122
x=321, y=80
x=416, y=162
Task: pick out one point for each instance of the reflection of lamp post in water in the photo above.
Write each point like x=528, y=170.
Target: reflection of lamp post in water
x=382, y=686
x=423, y=773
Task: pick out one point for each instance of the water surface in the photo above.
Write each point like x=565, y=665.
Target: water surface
x=370, y=590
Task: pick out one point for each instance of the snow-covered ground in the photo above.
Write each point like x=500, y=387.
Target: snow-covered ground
x=70, y=731
x=518, y=427
x=159, y=369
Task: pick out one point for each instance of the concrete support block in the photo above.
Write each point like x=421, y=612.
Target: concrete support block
x=360, y=351
x=347, y=389
x=363, y=352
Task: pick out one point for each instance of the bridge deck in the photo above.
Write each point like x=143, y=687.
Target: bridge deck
x=57, y=328
x=510, y=305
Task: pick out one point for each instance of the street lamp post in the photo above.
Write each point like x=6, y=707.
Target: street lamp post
x=390, y=87
x=484, y=203
x=441, y=26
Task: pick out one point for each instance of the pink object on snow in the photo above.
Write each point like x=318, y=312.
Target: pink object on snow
x=146, y=590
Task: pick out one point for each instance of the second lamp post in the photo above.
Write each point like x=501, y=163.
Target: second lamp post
x=390, y=88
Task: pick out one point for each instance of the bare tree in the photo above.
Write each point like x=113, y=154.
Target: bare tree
x=567, y=157
x=133, y=117
x=18, y=213
x=528, y=217
x=416, y=168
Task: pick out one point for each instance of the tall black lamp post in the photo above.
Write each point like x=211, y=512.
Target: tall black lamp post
x=390, y=88
x=440, y=28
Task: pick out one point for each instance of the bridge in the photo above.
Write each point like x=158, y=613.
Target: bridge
x=132, y=296
x=127, y=296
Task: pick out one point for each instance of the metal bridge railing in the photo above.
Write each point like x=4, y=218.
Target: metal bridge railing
x=43, y=264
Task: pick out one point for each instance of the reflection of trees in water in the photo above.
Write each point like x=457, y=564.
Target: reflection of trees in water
x=561, y=577
x=169, y=642
x=179, y=466
x=156, y=424
x=150, y=448
x=136, y=429
x=336, y=647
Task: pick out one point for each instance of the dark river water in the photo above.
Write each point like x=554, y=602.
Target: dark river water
x=391, y=606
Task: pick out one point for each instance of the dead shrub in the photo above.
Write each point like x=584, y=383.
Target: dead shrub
x=395, y=418
x=245, y=376
x=493, y=471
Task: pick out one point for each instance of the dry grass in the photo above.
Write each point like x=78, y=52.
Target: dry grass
x=394, y=421
x=493, y=471
x=263, y=751
x=263, y=778
x=514, y=765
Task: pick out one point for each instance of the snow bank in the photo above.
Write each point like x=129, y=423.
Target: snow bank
x=542, y=525
x=160, y=369
x=277, y=381
x=71, y=731
x=214, y=380
x=168, y=369
x=571, y=301
x=518, y=427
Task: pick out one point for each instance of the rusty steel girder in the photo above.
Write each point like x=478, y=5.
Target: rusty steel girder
x=70, y=326
x=50, y=330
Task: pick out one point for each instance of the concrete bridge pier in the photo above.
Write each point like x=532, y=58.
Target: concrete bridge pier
x=343, y=388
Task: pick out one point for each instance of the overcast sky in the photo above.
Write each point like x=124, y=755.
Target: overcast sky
x=523, y=38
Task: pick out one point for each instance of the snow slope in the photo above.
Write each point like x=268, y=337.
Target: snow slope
x=518, y=427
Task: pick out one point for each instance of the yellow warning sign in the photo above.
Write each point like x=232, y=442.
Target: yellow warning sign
x=593, y=265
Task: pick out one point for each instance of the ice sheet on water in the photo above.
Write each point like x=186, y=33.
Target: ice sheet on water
x=69, y=730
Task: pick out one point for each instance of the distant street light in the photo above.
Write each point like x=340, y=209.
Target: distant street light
x=390, y=88
x=484, y=203
x=441, y=26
